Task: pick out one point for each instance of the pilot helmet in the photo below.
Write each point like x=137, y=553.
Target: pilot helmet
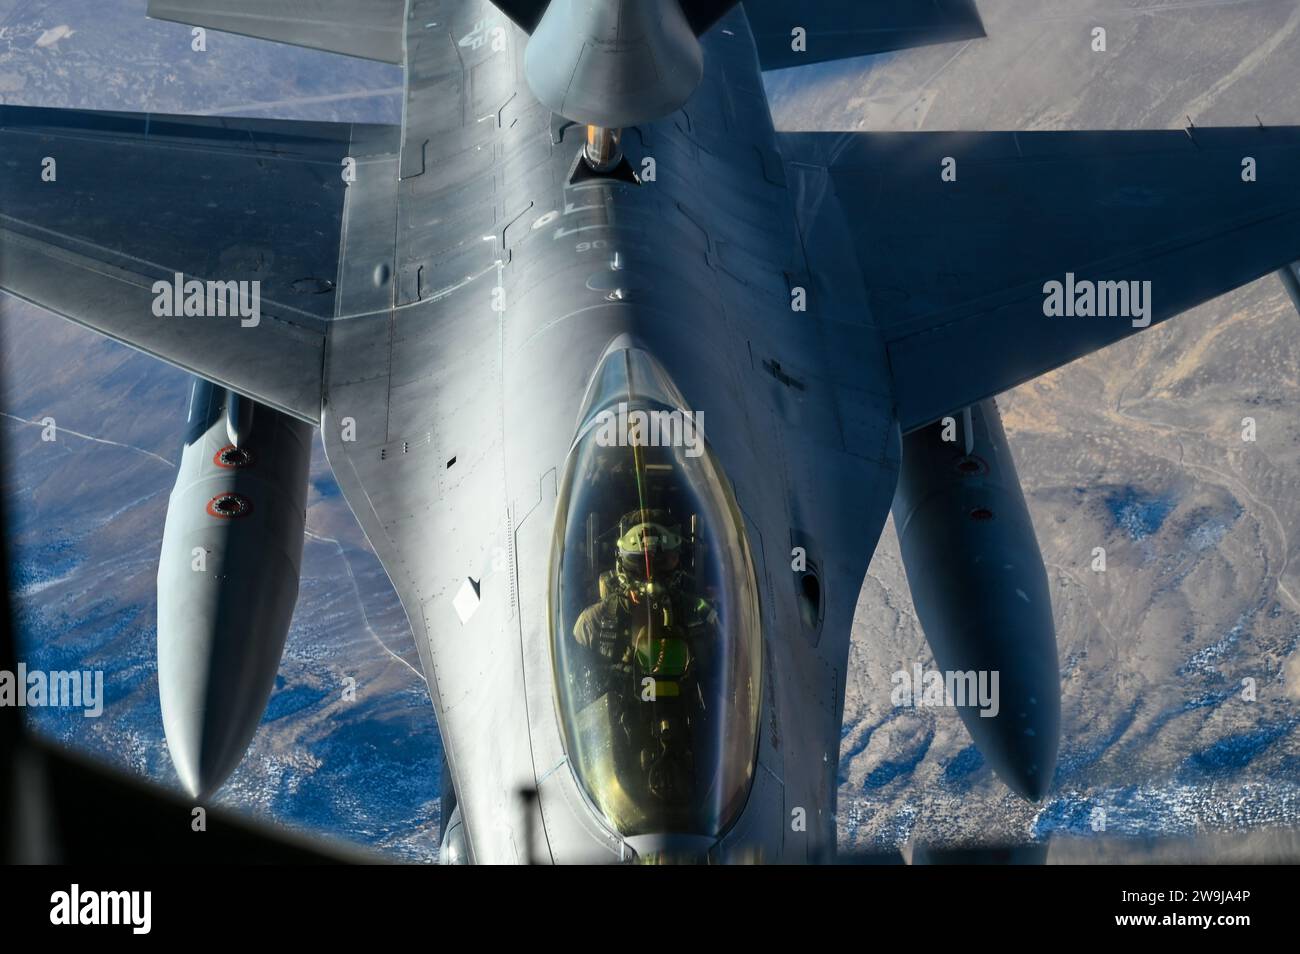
x=648, y=548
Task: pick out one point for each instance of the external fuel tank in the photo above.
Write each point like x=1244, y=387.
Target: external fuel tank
x=980, y=588
x=227, y=578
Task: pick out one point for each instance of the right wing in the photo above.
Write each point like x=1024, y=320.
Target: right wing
x=370, y=29
x=959, y=271
x=842, y=29
x=95, y=208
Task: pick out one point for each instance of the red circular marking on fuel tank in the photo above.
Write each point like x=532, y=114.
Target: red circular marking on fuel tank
x=232, y=457
x=229, y=506
x=981, y=513
x=971, y=465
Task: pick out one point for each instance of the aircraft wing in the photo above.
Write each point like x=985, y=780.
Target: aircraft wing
x=842, y=29
x=957, y=270
x=370, y=29
x=95, y=208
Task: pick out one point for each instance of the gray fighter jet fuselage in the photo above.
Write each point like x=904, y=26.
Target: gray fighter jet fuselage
x=676, y=280
x=689, y=255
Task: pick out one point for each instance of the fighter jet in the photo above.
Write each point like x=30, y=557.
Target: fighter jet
x=621, y=384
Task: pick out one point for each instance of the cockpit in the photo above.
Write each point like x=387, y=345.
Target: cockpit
x=655, y=623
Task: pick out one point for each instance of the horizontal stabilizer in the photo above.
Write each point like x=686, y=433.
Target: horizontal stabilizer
x=842, y=29
x=369, y=29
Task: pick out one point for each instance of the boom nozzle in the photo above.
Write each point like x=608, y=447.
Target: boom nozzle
x=602, y=151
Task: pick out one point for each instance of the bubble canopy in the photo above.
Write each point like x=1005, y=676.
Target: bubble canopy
x=655, y=626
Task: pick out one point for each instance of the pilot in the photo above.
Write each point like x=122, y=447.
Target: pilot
x=652, y=634
x=644, y=596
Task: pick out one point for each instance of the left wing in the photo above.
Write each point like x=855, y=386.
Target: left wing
x=959, y=235
x=96, y=208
